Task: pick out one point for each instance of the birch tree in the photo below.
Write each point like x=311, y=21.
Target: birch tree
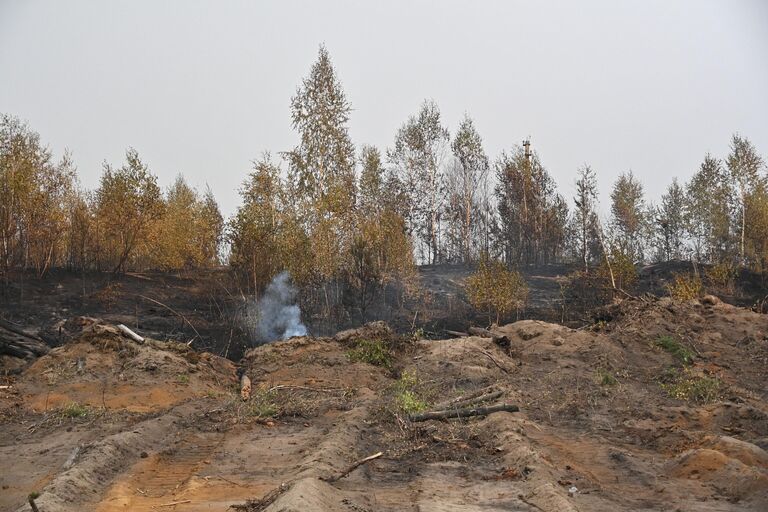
x=709, y=196
x=322, y=166
x=466, y=183
x=629, y=215
x=418, y=153
x=585, y=215
x=670, y=223
x=128, y=201
x=744, y=165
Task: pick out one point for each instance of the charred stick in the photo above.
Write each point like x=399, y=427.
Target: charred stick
x=463, y=413
x=353, y=467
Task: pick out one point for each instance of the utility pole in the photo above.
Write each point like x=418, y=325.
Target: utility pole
x=527, y=147
x=525, y=249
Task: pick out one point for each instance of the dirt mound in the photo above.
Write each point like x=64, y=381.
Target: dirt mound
x=657, y=403
x=102, y=368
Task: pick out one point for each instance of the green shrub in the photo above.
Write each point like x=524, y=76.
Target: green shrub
x=674, y=347
x=606, y=378
x=262, y=404
x=375, y=352
x=74, y=410
x=408, y=397
x=691, y=387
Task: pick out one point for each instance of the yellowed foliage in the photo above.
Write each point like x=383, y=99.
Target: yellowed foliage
x=496, y=289
x=685, y=287
x=624, y=271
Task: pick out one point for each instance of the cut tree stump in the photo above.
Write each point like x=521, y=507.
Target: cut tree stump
x=463, y=413
x=245, y=387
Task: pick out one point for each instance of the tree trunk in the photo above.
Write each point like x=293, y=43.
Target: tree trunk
x=743, y=224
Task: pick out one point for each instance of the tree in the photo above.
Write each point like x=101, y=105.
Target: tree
x=254, y=231
x=629, y=216
x=372, y=180
x=189, y=232
x=744, y=165
x=34, y=193
x=81, y=241
x=709, y=196
x=381, y=253
x=128, y=201
x=211, y=229
x=756, y=222
x=670, y=223
x=466, y=184
x=496, y=289
x=322, y=166
x=532, y=214
x=47, y=219
x=418, y=153
x=585, y=215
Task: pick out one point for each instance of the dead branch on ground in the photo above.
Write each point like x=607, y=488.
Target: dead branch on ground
x=493, y=360
x=353, y=467
x=128, y=332
x=463, y=413
x=471, y=401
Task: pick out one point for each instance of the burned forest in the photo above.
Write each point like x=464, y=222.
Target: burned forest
x=434, y=323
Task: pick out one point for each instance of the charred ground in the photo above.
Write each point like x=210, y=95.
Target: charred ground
x=654, y=405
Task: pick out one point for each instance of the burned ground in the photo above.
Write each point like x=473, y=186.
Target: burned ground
x=658, y=405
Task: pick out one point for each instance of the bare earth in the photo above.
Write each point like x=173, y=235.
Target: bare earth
x=161, y=427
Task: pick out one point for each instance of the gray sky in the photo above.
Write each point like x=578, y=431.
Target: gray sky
x=204, y=87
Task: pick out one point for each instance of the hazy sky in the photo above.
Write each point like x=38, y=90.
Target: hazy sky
x=203, y=88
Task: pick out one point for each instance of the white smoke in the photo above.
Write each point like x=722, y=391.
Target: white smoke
x=277, y=316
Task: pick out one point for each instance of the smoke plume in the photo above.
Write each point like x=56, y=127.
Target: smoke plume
x=276, y=316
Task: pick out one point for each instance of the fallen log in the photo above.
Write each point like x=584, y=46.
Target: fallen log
x=485, y=333
x=463, y=413
x=8, y=326
x=459, y=399
x=458, y=334
x=498, y=339
x=353, y=467
x=472, y=401
x=18, y=345
x=125, y=330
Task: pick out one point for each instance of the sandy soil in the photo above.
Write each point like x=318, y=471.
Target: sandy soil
x=161, y=427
